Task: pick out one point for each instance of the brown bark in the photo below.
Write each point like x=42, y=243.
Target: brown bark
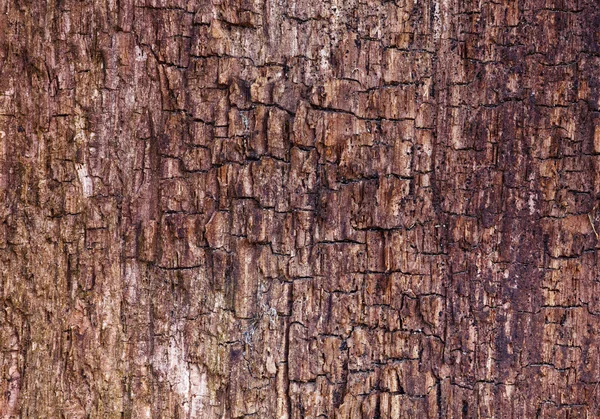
x=299, y=209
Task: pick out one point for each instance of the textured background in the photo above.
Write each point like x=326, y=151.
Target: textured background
x=299, y=209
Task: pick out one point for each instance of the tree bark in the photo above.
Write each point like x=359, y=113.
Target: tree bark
x=299, y=209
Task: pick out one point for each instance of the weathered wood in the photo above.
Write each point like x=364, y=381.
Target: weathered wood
x=299, y=209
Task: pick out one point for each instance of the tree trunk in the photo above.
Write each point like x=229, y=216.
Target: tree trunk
x=299, y=209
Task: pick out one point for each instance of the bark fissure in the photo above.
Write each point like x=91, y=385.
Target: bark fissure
x=289, y=209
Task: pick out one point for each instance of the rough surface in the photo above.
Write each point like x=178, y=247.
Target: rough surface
x=299, y=209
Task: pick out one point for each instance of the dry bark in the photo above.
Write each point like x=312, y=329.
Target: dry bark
x=299, y=209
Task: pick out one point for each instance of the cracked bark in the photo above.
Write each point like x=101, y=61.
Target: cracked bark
x=289, y=209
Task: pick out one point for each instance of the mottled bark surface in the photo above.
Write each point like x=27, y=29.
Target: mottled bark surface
x=299, y=209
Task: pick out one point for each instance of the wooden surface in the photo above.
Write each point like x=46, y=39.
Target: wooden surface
x=299, y=209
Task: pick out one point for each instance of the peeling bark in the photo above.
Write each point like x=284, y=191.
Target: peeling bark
x=294, y=209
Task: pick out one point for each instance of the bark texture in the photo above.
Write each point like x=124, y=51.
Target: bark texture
x=299, y=209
